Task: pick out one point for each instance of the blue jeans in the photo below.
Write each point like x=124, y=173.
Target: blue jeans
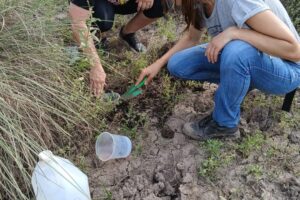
x=239, y=67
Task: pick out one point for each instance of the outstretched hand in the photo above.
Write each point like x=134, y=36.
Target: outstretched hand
x=150, y=72
x=144, y=4
x=97, y=80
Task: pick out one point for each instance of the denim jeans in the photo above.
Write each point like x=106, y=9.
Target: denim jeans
x=239, y=67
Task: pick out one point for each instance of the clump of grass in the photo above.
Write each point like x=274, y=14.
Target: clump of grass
x=37, y=103
x=251, y=143
x=167, y=27
x=255, y=170
x=108, y=194
x=216, y=159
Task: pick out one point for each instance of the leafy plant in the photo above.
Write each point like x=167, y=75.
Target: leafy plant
x=216, y=159
x=251, y=143
x=255, y=170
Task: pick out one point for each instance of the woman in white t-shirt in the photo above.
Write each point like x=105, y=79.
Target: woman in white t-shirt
x=254, y=45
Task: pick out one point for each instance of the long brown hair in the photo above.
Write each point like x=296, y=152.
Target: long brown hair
x=192, y=12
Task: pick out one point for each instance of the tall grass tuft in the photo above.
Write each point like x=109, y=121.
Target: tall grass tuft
x=38, y=107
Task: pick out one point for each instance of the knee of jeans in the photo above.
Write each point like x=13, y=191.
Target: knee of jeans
x=237, y=54
x=239, y=49
x=174, y=65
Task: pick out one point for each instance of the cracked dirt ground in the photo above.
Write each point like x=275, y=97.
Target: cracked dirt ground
x=168, y=169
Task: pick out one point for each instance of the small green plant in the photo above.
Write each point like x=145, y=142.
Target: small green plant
x=168, y=89
x=209, y=166
x=255, y=170
x=216, y=159
x=82, y=162
x=213, y=147
x=194, y=84
x=138, y=150
x=108, y=194
x=133, y=120
x=81, y=65
x=251, y=143
x=288, y=120
x=130, y=132
x=167, y=28
x=139, y=64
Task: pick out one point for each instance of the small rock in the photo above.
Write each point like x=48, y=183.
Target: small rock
x=180, y=166
x=161, y=185
x=294, y=137
x=154, y=151
x=175, y=124
x=154, y=120
x=188, y=178
x=169, y=190
x=61, y=16
x=107, y=180
x=159, y=177
x=179, y=139
x=152, y=197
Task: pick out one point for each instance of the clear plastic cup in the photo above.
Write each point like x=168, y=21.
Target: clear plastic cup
x=110, y=146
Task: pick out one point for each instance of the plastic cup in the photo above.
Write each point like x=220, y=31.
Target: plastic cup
x=110, y=146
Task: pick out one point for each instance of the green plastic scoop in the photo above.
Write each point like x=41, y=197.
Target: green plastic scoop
x=134, y=90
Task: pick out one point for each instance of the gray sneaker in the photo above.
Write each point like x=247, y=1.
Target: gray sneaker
x=207, y=128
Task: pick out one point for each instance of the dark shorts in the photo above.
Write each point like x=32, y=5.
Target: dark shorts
x=105, y=11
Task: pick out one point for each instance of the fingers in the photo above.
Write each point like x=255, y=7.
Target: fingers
x=149, y=79
x=215, y=55
x=141, y=77
x=144, y=4
x=97, y=88
x=212, y=53
x=140, y=3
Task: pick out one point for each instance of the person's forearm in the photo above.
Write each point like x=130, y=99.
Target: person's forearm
x=289, y=50
x=83, y=38
x=186, y=41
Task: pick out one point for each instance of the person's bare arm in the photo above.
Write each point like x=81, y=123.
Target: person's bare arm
x=189, y=39
x=82, y=36
x=271, y=36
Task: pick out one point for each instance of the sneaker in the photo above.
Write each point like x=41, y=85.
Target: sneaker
x=132, y=41
x=102, y=44
x=207, y=128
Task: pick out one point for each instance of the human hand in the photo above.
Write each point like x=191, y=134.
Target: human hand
x=144, y=4
x=218, y=43
x=150, y=72
x=97, y=80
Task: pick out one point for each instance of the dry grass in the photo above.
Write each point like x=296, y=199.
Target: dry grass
x=38, y=105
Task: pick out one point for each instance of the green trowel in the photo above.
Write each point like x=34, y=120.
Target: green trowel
x=134, y=90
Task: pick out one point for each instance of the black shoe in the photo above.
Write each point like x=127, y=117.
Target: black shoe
x=102, y=44
x=207, y=128
x=132, y=41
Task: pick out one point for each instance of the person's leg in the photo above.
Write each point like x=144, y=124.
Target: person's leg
x=192, y=64
x=141, y=19
x=242, y=65
x=104, y=14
